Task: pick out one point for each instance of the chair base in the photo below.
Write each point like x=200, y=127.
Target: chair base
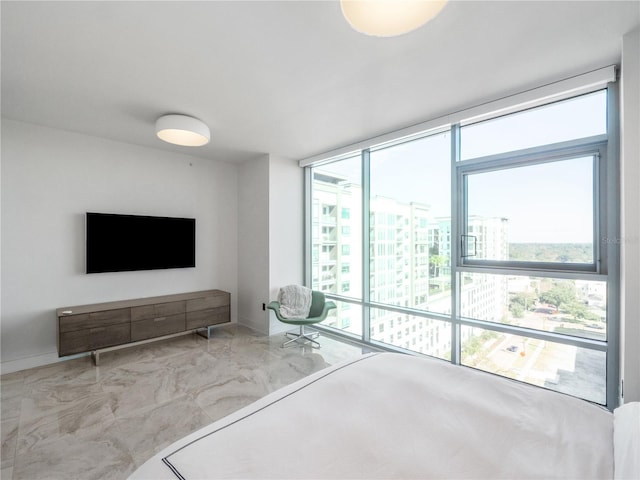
x=303, y=337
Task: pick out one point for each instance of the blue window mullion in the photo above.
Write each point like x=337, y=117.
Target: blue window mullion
x=455, y=251
x=366, y=242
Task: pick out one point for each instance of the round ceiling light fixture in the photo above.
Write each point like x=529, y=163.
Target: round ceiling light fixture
x=388, y=18
x=182, y=130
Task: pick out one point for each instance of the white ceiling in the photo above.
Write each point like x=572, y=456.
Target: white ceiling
x=284, y=77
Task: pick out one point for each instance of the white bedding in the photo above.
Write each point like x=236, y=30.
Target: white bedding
x=398, y=416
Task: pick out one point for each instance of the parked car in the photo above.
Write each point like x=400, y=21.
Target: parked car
x=546, y=310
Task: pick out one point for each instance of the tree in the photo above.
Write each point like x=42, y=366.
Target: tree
x=580, y=311
x=577, y=310
x=525, y=299
x=562, y=293
x=435, y=262
x=517, y=310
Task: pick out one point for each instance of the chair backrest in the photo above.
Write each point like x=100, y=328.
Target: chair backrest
x=317, y=304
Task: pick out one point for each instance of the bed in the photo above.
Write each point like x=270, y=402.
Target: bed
x=388, y=415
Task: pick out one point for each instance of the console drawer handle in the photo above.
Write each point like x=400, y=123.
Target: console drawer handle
x=159, y=319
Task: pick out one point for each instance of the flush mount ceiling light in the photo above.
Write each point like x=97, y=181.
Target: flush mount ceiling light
x=388, y=18
x=182, y=130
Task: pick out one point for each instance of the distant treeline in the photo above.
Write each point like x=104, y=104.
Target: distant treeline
x=551, y=252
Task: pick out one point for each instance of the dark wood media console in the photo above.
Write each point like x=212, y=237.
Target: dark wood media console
x=91, y=328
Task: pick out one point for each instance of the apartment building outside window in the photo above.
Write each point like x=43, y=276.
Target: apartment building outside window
x=486, y=241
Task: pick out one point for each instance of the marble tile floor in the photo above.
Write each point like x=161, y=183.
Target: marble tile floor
x=72, y=420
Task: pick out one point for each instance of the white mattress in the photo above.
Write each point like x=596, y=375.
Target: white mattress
x=398, y=416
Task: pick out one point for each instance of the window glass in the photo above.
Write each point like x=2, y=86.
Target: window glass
x=347, y=318
x=418, y=334
x=569, y=307
x=410, y=224
x=529, y=238
x=533, y=213
x=336, y=233
x=580, y=372
x=578, y=117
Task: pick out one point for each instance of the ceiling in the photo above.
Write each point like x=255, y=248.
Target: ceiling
x=289, y=78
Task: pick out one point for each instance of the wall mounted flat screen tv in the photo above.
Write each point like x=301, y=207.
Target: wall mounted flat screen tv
x=121, y=243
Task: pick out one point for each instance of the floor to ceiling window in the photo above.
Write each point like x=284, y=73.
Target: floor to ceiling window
x=409, y=249
x=336, y=240
x=487, y=244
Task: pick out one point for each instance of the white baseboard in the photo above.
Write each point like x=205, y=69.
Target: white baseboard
x=276, y=326
x=257, y=326
x=12, y=366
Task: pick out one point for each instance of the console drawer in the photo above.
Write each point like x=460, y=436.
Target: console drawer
x=70, y=323
x=203, y=318
x=206, y=303
x=93, y=338
x=157, y=327
x=157, y=310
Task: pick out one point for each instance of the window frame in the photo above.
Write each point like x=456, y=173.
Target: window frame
x=606, y=219
x=595, y=147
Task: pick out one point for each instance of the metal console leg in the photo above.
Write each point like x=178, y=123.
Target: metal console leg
x=202, y=333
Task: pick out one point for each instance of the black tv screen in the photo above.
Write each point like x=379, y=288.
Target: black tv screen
x=120, y=243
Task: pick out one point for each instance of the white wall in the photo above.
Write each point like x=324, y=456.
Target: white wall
x=270, y=229
x=630, y=199
x=286, y=230
x=253, y=243
x=50, y=178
